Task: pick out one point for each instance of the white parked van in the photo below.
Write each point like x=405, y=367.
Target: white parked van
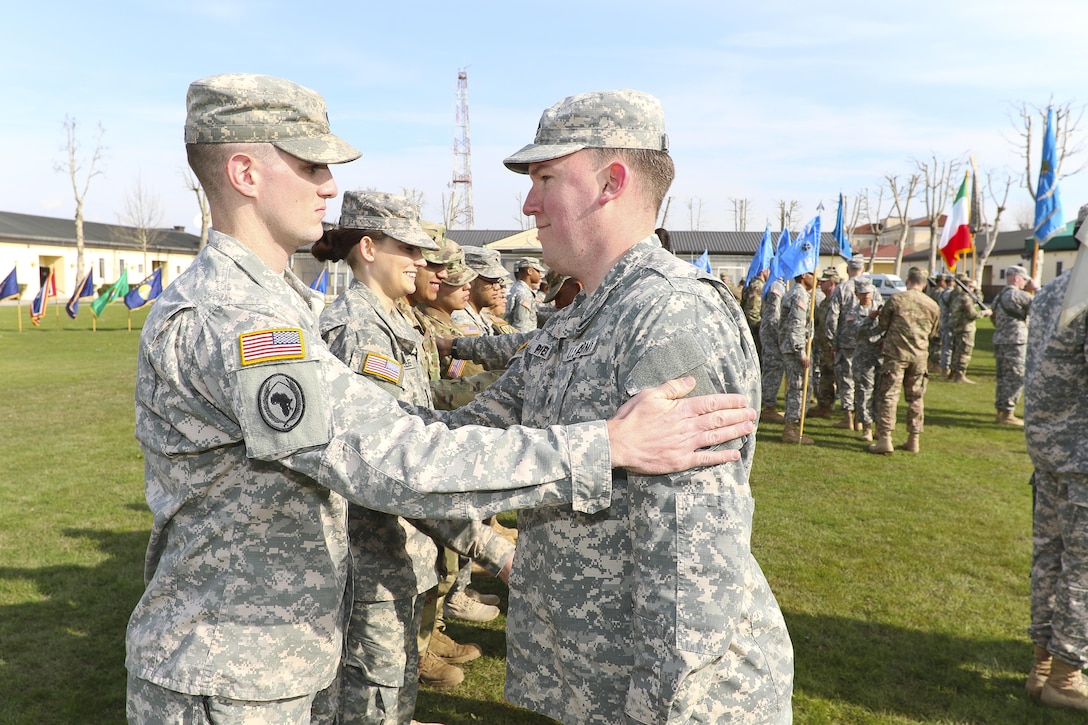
x=887, y=284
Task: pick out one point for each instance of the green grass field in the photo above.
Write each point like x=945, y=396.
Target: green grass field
x=904, y=579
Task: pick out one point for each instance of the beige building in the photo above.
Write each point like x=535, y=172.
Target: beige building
x=36, y=245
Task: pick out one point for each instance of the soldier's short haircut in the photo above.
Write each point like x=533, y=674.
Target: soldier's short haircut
x=655, y=169
x=208, y=161
x=917, y=276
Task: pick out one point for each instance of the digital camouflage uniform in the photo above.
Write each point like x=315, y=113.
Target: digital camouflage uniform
x=393, y=559
x=653, y=611
x=824, y=367
x=794, y=332
x=751, y=301
x=866, y=360
x=946, y=297
x=962, y=313
x=772, y=365
x=253, y=434
x=1055, y=409
x=521, y=306
x=841, y=301
x=1011, y=309
x=908, y=319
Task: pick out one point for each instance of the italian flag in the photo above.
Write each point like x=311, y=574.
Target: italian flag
x=956, y=235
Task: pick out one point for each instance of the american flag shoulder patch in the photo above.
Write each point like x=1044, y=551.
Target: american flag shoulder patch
x=456, y=368
x=382, y=367
x=268, y=345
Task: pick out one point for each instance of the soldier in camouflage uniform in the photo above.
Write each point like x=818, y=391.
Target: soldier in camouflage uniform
x=655, y=611
x=751, y=301
x=944, y=299
x=908, y=320
x=393, y=559
x=255, y=436
x=521, y=301
x=841, y=301
x=771, y=365
x=794, y=333
x=962, y=313
x=860, y=320
x=824, y=369
x=1011, y=308
x=486, y=289
x=1055, y=408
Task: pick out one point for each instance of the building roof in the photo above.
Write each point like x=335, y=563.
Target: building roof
x=62, y=232
x=918, y=222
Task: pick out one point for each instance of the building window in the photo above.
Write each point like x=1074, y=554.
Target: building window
x=1058, y=268
x=102, y=268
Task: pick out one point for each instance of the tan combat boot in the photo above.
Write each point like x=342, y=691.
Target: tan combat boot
x=771, y=415
x=883, y=445
x=820, y=411
x=452, y=652
x=1065, y=686
x=1006, y=417
x=792, y=434
x=961, y=378
x=439, y=674
x=1040, y=669
x=867, y=432
x=911, y=444
x=847, y=422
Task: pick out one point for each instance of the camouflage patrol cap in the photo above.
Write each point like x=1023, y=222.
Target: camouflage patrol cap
x=830, y=274
x=486, y=262
x=1016, y=271
x=529, y=263
x=856, y=262
x=603, y=119
x=863, y=284
x=458, y=273
x=393, y=214
x=248, y=108
x=554, y=286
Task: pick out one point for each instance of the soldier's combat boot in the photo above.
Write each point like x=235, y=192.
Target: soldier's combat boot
x=1006, y=417
x=439, y=674
x=883, y=445
x=847, y=422
x=455, y=653
x=961, y=378
x=820, y=411
x=771, y=415
x=792, y=434
x=867, y=432
x=1065, y=686
x=1040, y=669
x=911, y=446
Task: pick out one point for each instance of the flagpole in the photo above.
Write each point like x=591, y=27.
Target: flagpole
x=19, y=313
x=808, y=354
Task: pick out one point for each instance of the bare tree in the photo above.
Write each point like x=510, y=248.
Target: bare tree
x=193, y=185
x=786, y=212
x=73, y=166
x=874, y=217
x=141, y=220
x=997, y=189
x=1067, y=146
x=524, y=222
x=665, y=212
x=938, y=178
x=901, y=197
x=740, y=214
x=695, y=213
x=416, y=196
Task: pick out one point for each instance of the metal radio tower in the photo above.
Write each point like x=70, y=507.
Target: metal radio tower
x=460, y=207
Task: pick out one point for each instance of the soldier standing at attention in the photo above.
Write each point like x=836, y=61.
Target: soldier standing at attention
x=521, y=302
x=393, y=559
x=845, y=297
x=751, y=301
x=654, y=611
x=824, y=369
x=908, y=320
x=1011, y=308
x=772, y=365
x=1055, y=409
x=794, y=333
x=962, y=313
x=861, y=321
x=255, y=436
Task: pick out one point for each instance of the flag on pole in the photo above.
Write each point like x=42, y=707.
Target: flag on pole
x=703, y=262
x=119, y=289
x=956, y=235
x=41, y=300
x=1048, y=205
x=147, y=290
x=9, y=290
x=841, y=241
x=84, y=291
x=321, y=284
x=801, y=256
x=784, y=243
x=763, y=257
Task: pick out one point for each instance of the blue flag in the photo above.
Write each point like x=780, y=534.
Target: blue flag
x=321, y=284
x=1048, y=205
x=801, y=256
x=41, y=300
x=10, y=289
x=841, y=241
x=763, y=256
x=784, y=244
x=85, y=290
x=703, y=262
x=146, y=291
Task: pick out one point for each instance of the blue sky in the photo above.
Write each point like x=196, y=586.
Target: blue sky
x=764, y=101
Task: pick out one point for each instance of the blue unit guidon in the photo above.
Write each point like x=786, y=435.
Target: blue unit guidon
x=268, y=345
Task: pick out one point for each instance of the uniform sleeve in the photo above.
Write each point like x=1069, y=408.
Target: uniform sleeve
x=831, y=322
x=310, y=413
x=473, y=539
x=491, y=351
x=690, y=532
